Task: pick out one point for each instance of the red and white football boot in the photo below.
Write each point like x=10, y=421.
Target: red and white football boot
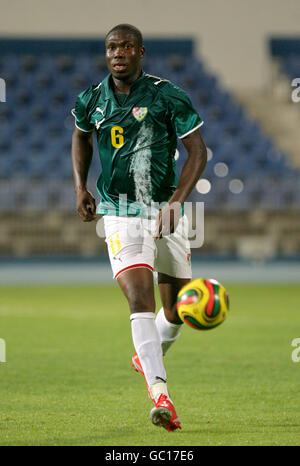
x=163, y=413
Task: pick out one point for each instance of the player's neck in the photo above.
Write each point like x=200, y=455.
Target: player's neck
x=124, y=86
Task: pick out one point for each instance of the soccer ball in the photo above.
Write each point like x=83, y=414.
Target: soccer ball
x=203, y=304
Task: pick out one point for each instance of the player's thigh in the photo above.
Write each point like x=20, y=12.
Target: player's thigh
x=129, y=244
x=173, y=253
x=137, y=285
x=131, y=252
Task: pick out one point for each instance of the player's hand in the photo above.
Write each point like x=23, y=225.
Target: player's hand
x=86, y=206
x=167, y=220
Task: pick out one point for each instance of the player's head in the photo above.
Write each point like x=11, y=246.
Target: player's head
x=129, y=28
x=124, y=51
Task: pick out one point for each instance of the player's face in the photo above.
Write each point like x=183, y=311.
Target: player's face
x=123, y=55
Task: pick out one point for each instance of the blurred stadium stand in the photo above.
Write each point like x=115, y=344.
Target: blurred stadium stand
x=273, y=106
x=247, y=174
x=287, y=53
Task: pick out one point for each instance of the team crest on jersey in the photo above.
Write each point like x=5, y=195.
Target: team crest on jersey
x=139, y=113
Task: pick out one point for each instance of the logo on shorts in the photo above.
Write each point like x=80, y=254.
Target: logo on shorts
x=139, y=113
x=188, y=258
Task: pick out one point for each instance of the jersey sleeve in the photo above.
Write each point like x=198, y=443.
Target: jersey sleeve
x=184, y=117
x=80, y=112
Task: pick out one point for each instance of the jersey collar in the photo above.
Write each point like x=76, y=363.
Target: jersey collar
x=108, y=91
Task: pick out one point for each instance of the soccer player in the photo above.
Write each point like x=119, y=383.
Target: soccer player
x=137, y=119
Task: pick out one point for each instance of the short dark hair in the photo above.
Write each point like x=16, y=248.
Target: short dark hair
x=128, y=27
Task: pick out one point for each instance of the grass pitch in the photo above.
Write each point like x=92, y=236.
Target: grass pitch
x=68, y=380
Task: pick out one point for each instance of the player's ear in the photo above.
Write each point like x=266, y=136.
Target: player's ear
x=142, y=51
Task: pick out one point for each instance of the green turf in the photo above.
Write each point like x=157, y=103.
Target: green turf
x=68, y=380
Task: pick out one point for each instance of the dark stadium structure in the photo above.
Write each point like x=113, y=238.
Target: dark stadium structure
x=245, y=169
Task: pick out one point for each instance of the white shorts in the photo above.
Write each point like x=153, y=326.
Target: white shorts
x=131, y=244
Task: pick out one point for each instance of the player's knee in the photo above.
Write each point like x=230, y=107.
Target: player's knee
x=141, y=301
x=172, y=315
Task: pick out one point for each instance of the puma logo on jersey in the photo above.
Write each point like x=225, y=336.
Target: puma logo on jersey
x=99, y=123
x=98, y=109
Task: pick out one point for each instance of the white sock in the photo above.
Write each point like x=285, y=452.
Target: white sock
x=157, y=389
x=148, y=347
x=168, y=332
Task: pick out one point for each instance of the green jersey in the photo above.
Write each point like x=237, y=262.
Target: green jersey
x=137, y=139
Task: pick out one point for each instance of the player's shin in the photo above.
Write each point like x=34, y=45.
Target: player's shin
x=147, y=344
x=168, y=332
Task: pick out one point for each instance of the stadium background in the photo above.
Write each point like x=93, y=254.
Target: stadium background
x=236, y=60
x=239, y=78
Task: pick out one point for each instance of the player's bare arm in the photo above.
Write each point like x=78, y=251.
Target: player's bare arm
x=190, y=174
x=82, y=153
